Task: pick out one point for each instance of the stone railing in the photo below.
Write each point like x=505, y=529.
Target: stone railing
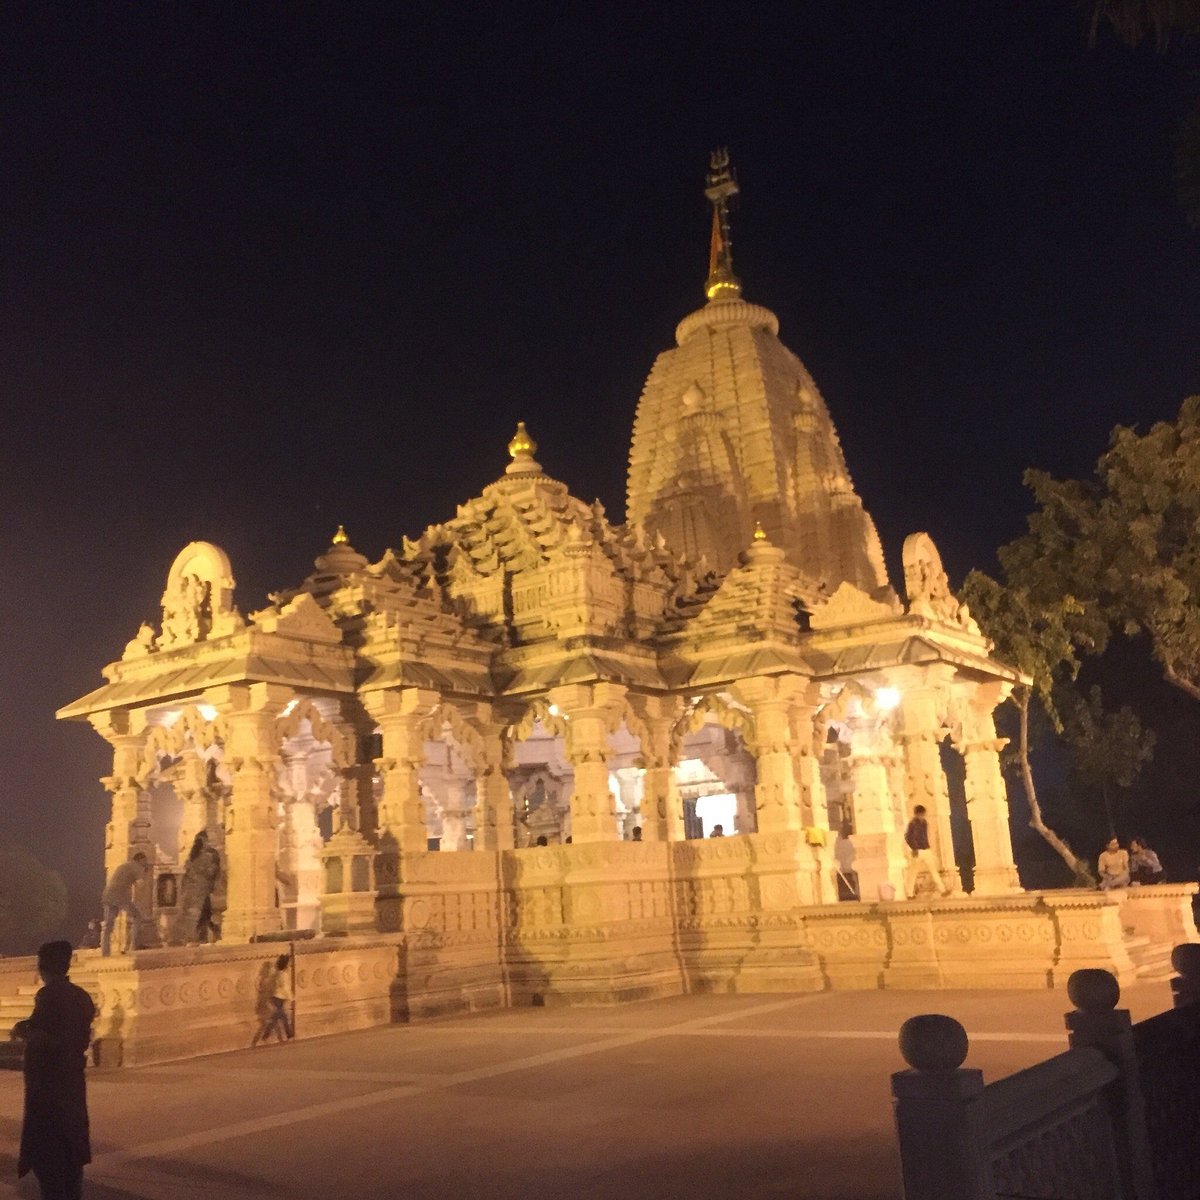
x=1115, y=1116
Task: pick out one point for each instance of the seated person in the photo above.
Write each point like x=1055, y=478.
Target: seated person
x=1113, y=866
x=1144, y=866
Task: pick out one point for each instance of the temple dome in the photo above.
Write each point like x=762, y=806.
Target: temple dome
x=731, y=429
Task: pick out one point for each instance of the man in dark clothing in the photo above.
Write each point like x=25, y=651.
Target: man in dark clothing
x=922, y=858
x=54, y=1138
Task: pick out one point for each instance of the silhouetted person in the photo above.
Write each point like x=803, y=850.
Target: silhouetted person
x=637, y=833
x=541, y=840
x=280, y=1021
x=195, y=920
x=118, y=898
x=54, y=1138
x=717, y=831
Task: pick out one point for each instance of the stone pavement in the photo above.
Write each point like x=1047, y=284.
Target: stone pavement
x=722, y=1096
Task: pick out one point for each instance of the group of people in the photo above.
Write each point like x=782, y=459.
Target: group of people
x=1118, y=867
x=195, y=919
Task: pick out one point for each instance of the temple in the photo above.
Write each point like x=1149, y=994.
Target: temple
x=487, y=767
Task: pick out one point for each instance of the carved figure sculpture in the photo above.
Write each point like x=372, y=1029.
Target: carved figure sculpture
x=927, y=586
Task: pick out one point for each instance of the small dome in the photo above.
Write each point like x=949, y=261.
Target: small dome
x=341, y=558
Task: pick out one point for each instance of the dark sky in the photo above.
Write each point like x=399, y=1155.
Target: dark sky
x=267, y=267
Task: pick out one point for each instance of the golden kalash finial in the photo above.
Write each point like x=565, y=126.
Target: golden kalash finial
x=522, y=445
x=340, y=538
x=722, y=283
x=760, y=534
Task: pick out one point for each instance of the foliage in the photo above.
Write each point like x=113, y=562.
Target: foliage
x=1133, y=21
x=1125, y=547
x=1110, y=748
x=1162, y=22
x=33, y=901
x=1039, y=638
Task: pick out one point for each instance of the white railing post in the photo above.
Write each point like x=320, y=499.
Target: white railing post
x=939, y=1114
x=1097, y=1022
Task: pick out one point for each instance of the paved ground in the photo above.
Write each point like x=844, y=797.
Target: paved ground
x=751, y=1096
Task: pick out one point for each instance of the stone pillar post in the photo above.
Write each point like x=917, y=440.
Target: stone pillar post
x=400, y=715
x=807, y=747
x=251, y=837
x=878, y=844
x=920, y=739
x=400, y=813
x=662, y=808
x=300, y=862
x=192, y=791
x=777, y=796
x=128, y=830
x=591, y=711
x=493, y=797
x=987, y=803
x=356, y=799
x=455, y=811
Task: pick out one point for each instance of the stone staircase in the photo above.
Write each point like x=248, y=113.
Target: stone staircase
x=1152, y=959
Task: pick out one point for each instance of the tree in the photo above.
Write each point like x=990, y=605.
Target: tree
x=1109, y=748
x=1036, y=637
x=1124, y=548
x=33, y=900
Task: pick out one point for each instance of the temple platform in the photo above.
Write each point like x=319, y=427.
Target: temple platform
x=168, y=1004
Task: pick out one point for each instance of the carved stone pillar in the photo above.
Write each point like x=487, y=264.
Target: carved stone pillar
x=251, y=838
x=777, y=796
x=493, y=797
x=129, y=826
x=455, y=811
x=191, y=788
x=920, y=740
x=591, y=711
x=807, y=747
x=662, y=808
x=401, y=715
x=356, y=800
x=987, y=804
x=878, y=844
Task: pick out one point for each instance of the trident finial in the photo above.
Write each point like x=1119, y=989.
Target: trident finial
x=722, y=187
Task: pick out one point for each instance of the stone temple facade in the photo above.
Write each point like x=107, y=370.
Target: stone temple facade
x=486, y=767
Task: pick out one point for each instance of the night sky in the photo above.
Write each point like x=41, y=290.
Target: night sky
x=268, y=267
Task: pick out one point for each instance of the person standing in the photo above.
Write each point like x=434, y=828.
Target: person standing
x=118, y=898
x=55, y=1144
x=844, y=855
x=916, y=837
x=1113, y=865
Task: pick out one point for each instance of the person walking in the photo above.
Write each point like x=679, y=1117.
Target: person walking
x=55, y=1144
x=916, y=837
x=1113, y=866
x=282, y=994
x=118, y=898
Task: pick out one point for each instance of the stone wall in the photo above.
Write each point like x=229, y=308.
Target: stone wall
x=602, y=923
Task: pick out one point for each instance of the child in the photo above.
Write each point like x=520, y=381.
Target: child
x=280, y=1021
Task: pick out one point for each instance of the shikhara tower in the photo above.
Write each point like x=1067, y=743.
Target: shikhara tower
x=380, y=750
x=731, y=431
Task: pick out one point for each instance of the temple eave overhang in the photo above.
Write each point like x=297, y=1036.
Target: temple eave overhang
x=196, y=678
